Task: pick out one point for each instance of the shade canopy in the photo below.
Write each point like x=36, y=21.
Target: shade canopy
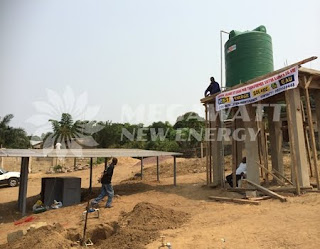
x=80, y=153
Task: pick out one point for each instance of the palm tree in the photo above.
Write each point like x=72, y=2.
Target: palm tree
x=4, y=127
x=15, y=138
x=65, y=130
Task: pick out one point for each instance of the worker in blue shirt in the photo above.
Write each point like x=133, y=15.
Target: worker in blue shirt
x=212, y=88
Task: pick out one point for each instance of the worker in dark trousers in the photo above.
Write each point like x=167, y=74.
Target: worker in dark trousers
x=212, y=88
x=106, y=189
x=240, y=172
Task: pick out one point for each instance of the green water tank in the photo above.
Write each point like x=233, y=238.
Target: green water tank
x=247, y=55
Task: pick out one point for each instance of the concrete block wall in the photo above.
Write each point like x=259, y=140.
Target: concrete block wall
x=38, y=164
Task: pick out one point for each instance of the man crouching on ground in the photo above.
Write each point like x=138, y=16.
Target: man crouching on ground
x=106, y=189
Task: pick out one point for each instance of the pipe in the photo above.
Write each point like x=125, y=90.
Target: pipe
x=222, y=111
x=221, y=57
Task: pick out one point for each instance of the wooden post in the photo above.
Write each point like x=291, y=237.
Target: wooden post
x=234, y=154
x=22, y=200
x=316, y=94
x=251, y=145
x=217, y=159
x=207, y=146
x=158, y=170
x=292, y=127
x=210, y=159
x=90, y=183
x=141, y=168
x=296, y=123
x=84, y=240
x=201, y=150
x=308, y=151
x=211, y=155
x=239, y=144
x=260, y=154
x=306, y=139
x=174, y=171
x=311, y=130
x=30, y=165
x=264, y=152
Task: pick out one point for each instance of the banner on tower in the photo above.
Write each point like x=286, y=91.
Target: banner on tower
x=257, y=91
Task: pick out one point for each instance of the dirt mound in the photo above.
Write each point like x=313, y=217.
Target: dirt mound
x=142, y=225
x=153, y=160
x=128, y=238
x=127, y=160
x=134, y=229
x=149, y=217
x=44, y=237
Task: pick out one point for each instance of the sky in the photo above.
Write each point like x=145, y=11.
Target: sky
x=134, y=61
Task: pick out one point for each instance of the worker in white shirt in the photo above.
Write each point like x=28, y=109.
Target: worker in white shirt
x=240, y=172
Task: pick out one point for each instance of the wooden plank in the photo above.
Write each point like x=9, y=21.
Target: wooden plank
x=277, y=178
x=239, y=190
x=288, y=189
x=260, y=198
x=312, y=190
x=282, y=176
x=267, y=191
x=234, y=200
x=311, y=130
x=306, y=139
x=280, y=189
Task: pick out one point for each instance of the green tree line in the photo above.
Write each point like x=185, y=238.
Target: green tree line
x=161, y=136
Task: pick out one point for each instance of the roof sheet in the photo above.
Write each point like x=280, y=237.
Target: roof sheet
x=84, y=153
x=309, y=72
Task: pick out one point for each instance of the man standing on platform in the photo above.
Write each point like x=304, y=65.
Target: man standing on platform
x=212, y=88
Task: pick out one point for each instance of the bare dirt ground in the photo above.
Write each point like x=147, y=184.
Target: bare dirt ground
x=145, y=210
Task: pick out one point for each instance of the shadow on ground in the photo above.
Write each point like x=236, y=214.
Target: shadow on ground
x=194, y=191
